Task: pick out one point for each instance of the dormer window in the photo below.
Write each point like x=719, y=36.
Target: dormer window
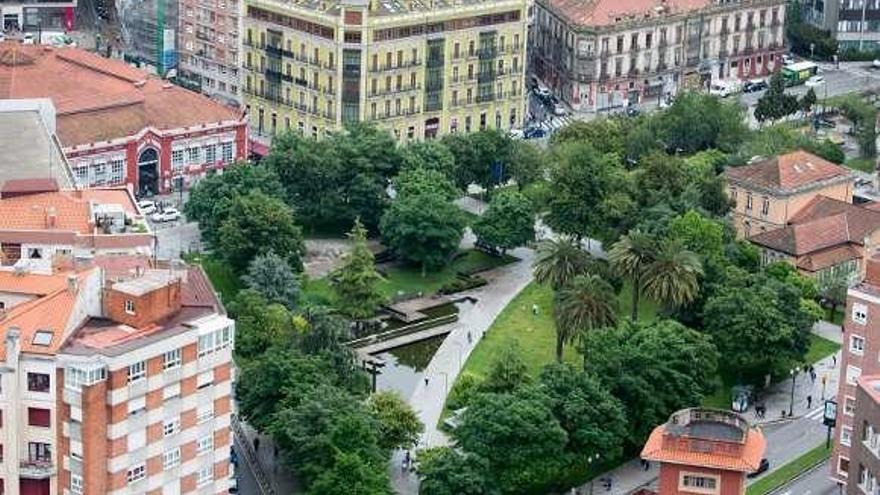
x=129, y=306
x=35, y=253
x=43, y=337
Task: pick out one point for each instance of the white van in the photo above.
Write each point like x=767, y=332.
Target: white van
x=718, y=88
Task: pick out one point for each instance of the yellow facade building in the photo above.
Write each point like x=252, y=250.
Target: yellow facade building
x=420, y=68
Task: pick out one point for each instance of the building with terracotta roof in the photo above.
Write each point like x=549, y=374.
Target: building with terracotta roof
x=855, y=454
x=707, y=451
x=119, y=125
x=826, y=238
x=41, y=227
x=31, y=149
x=604, y=54
x=768, y=193
x=114, y=384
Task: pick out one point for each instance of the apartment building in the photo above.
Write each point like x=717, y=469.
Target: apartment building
x=605, y=54
x=35, y=15
x=119, y=125
x=209, y=47
x=766, y=194
x=419, y=68
x=854, y=23
x=865, y=440
x=861, y=346
x=707, y=451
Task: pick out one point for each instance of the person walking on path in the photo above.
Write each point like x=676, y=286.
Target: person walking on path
x=809, y=401
x=256, y=444
x=426, y=381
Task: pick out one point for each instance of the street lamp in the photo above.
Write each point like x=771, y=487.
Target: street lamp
x=590, y=460
x=793, y=372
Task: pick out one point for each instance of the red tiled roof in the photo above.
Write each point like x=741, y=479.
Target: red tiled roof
x=823, y=259
x=99, y=99
x=747, y=461
x=20, y=186
x=31, y=283
x=71, y=208
x=607, y=12
x=822, y=223
x=787, y=172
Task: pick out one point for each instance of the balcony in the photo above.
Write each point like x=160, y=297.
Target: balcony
x=37, y=469
x=391, y=67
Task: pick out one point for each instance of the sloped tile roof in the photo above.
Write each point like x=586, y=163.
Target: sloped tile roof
x=829, y=257
x=608, y=12
x=746, y=461
x=787, y=172
x=71, y=208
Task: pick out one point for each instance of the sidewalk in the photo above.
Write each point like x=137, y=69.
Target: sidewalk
x=631, y=476
x=280, y=477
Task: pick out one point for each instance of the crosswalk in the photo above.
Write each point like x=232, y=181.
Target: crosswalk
x=815, y=414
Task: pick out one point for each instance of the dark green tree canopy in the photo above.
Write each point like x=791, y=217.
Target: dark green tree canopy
x=509, y=221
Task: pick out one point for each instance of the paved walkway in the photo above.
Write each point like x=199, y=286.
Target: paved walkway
x=280, y=477
x=504, y=283
x=631, y=476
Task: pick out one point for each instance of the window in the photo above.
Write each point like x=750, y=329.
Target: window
x=38, y=382
x=204, y=476
x=117, y=170
x=843, y=466
x=82, y=175
x=205, y=379
x=76, y=484
x=692, y=482
x=171, y=359
x=205, y=444
x=39, y=452
x=857, y=345
x=39, y=417
x=205, y=413
x=136, y=473
x=846, y=435
x=210, y=153
x=171, y=458
x=177, y=159
x=749, y=201
x=227, y=152
x=849, y=406
x=35, y=253
x=215, y=341
x=42, y=337
x=137, y=405
x=129, y=306
x=193, y=154
x=76, y=378
x=170, y=427
x=852, y=374
x=765, y=206
x=860, y=313
x=137, y=371
x=171, y=391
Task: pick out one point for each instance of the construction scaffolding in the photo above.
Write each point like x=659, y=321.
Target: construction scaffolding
x=149, y=34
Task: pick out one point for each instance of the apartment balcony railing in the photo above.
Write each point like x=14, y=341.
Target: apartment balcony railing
x=402, y=89
x=36, y=469
x=390, y=67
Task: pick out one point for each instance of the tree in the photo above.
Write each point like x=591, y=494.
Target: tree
x=446, y=471
x=412, y=182
x=355, y=282
x=630, y=256
x=428, y=154
x=476, y=154
x=698, y=233
x=584, y=305
x=660, y=178
x=559, y=262
x=591, y=194
x=211, y=198
x=833, y=291
x=508, y=222
x=352, y=475
x=594, y=420
x=652, y=368
x=259, y=325
x=607, y=134
x=258, y=224
x=271, y=276
x=519, y=437
x=507, y=372
x=807, y=101
x=526, y=163
x=424, y=229
x=673, y=277
x=775, y=103
x=399, y=427
x=698, y=121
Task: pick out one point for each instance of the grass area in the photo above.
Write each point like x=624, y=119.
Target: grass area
x=787, y=472
x=862, y=164
x=820, y=348
x=221, y=275
x=408, y=280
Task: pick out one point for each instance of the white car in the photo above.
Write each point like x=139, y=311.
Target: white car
x=815, y=81
x=147, y=207
x=559, y=110
x=516, y=134
x=28, y=39
x=542, y=92
x=167, y=215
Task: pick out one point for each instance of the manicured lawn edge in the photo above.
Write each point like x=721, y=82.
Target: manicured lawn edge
x=789, y=471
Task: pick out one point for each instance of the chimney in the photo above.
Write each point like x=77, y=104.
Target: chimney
x=872, y=271
x=51, y=217
x=72, y=284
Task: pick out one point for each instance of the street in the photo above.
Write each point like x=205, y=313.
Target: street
x=816, y=482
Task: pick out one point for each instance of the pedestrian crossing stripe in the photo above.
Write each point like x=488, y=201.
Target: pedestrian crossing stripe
x=815, y=414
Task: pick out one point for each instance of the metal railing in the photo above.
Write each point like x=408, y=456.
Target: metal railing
x=247, y=451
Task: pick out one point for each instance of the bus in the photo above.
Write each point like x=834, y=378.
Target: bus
x=798, y=73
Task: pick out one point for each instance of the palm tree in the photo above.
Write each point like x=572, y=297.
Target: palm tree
x=587, y=303
x=630, y=256
x=560, y=261
x=673, y=277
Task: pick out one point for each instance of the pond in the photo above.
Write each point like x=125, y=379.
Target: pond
x=404, y=366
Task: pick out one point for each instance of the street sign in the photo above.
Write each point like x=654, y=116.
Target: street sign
x=830, y=417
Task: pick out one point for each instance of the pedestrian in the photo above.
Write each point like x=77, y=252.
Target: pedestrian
x=256, y=444
x=834, y=359
x=470, y=339
x=809, y=401
x=275, y=451
x=426, y=381
x=647, y=464
x=406, y=458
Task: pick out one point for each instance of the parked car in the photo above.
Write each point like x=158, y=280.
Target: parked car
x=787, y=59
x=632, y=111
x=534, y=133
x=876, y=63
x=147, y=207
x=28, y=39
x=516, y=134
x=742, y=398
x=815, y=81
x=166, y=215
x=559, y=110
x=754, y=85
x=763, y=467
x=542, y=92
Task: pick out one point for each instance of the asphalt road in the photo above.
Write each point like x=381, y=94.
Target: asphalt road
x=814, y=483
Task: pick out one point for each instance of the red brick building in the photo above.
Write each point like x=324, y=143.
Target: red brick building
x=705, y=451
x=120, y=125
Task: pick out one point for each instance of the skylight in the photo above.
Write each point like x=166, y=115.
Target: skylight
x=43, y=337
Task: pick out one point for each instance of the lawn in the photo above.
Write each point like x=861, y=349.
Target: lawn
x=861, y=164
x=535, y=334
x=820, y=348
x=408, y=280
x=789, y=471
